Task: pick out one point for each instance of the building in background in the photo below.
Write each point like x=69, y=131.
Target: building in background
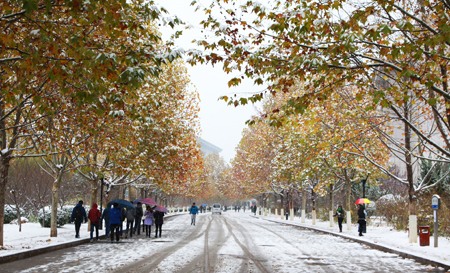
x=207, y=147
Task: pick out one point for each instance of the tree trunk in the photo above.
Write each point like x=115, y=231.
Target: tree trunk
x=331, y=205
x=303, y=206
x=348, y=200
x=120, y=192
x=4, y=169
x=291, y=207
x=313, y=199
x=275, y=204
x=410, y=178
x=54, y=213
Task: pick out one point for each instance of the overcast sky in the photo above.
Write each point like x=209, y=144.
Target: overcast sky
x=221, y=124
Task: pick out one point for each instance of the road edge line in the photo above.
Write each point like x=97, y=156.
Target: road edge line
x=422, y=260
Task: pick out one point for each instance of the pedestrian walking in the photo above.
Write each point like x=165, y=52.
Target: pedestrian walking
x=148, y=222
x=105, y=216
x=244, y=208
x=361, y=219
x=239, y=209
x=94, y=216
x=340, y=213
x=193, y=211
x=159, y=221
x=138, y=217
x=115, y=216
x=78, y=214
x=122, y=219
x=131, y=213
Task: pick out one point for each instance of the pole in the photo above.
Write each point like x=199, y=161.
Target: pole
x=100, y=226
x=436, y=228
x=364, y=188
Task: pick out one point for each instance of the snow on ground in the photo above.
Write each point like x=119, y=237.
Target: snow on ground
x=33, y=236
x=379, y=233
x=233, y=242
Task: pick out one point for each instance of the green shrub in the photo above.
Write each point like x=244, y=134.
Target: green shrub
x=61, y=217
x=11, y=213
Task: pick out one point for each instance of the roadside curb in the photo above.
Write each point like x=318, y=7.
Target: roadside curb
x=377, y=246
x=43, y=250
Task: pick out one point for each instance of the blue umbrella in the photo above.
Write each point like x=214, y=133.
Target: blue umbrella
x=122, y=204
x=204, y=205
x=136, y=201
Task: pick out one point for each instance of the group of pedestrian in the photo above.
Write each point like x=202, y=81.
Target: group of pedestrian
x=362, y=213
x=114, y=219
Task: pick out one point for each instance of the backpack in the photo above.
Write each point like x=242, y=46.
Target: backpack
x=78, y=214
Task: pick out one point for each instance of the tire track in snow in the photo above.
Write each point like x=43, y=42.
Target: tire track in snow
x=209, y=256
x=145, y=265
x=255, y=260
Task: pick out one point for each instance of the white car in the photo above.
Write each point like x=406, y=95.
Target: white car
x=216, y=208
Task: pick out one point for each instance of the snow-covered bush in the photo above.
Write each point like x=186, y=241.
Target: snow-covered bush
x=395, y=209
x=61, y=217
x=11, y=213
x=67, y=210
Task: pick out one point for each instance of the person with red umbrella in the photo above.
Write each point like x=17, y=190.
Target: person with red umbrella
x=158, y=215
x=361, y=219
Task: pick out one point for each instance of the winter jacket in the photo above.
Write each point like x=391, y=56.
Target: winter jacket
x=105, y=215
x=193, y=210
x=124, y=214
x=159, y=217
x=115, y=216
x=94, y=214
x=340, y=214
x=83, y=214
x=148, y=218
x=139, y=212
x=362, y=214
x=130, y=214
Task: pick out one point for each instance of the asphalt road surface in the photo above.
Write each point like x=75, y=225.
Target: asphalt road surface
x=231, y=242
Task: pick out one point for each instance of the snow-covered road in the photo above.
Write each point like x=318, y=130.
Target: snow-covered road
x=232, y=242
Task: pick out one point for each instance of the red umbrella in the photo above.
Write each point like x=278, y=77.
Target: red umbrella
x=362, y=201
x=148, y=201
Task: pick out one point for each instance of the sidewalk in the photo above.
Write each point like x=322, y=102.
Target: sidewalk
x=35, y=240
x=380, y=237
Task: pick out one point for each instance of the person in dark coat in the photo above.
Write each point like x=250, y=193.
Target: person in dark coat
x=105, y=216
x=131, y=213
x=78, y=214
x=124, y=215
x=361, y=219
x=159, y=221
x=115, y=220
x=137, y=218
x=340, y=213
x=94, y=216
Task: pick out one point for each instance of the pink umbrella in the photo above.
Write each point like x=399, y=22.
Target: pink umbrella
x=148, y=201
x=160, y=208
